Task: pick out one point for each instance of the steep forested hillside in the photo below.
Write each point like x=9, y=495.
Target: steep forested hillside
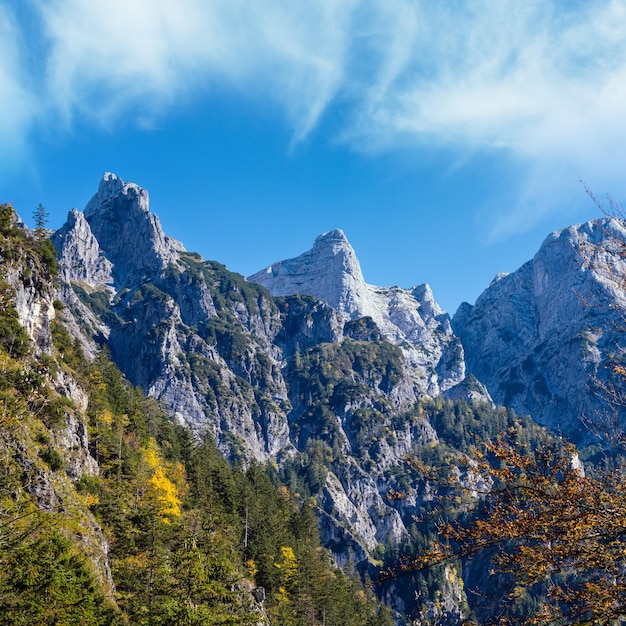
x=179, y=446
x=110, y=513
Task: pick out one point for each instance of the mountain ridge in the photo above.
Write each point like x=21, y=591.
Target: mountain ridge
x=117, y=246
x=335, y=398
x=545, y=338
x=410, y=318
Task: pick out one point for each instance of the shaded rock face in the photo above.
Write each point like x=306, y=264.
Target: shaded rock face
x=411, y=318
x=129, y=235
x=540, y=337
x=81, y=258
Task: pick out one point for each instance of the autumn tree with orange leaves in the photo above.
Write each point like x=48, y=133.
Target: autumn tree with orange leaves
x=550, y=525
x=547, y=525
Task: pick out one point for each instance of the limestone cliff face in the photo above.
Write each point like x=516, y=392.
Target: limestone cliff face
x=34, y=295
x=165, y=316
x=120, y=219
x=325, y=366
x=34, y=307
x=411, y=318
x=81, y=258
x=540, y=337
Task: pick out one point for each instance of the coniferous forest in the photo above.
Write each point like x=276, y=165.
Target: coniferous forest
x=112, y=511
x=164, y=530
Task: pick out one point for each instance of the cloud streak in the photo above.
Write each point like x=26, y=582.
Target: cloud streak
x=112, y=55
x=540, y=83
x=17, y=106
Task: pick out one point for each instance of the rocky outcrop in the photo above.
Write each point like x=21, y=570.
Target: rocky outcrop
x=130, y=236
x=470, y=390
x=36, y=312
x=541, y=337
x=410, y=318
x=81, y=258
x=128, y=284
x=330, y=272
x=357, y=505
x=33, y=297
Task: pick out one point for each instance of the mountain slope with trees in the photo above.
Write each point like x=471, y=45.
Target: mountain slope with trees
x=192, y=449
x=113, y=514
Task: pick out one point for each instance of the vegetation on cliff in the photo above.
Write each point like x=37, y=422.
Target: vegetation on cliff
x=154, y=527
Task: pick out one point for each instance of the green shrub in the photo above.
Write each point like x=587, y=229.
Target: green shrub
x=52, y=458
x=54, y=412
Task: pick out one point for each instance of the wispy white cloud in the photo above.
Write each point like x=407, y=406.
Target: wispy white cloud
x=17, y=106
x=541, y=83
x=108, y=55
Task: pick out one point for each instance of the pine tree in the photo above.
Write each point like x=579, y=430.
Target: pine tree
x=40, y=215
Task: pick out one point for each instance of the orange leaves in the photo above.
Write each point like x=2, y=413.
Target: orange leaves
x=392, y=495
x=547, y=523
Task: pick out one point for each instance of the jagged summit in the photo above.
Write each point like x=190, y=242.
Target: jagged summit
x=332, y=237
x=539, y=337
x=110, y=186
x=127, y=233
x=80, y=256
x=331, y=272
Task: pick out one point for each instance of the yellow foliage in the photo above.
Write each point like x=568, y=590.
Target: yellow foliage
x=166, y=493
x=91, y=499
x=161, y=490
x=288, y=565
x=252, y=568
x=136, y=561
x=151, y=454
x=96, y=381
x=283, y=492
x=282, y=596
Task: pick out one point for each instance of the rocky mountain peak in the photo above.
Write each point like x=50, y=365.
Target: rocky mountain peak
x=335, y=238
x=130, y=236
x=331, y=272
x=541, y=337
x=110, y=186
x=80, y=256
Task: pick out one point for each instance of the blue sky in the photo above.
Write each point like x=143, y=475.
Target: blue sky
x=446, y=139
